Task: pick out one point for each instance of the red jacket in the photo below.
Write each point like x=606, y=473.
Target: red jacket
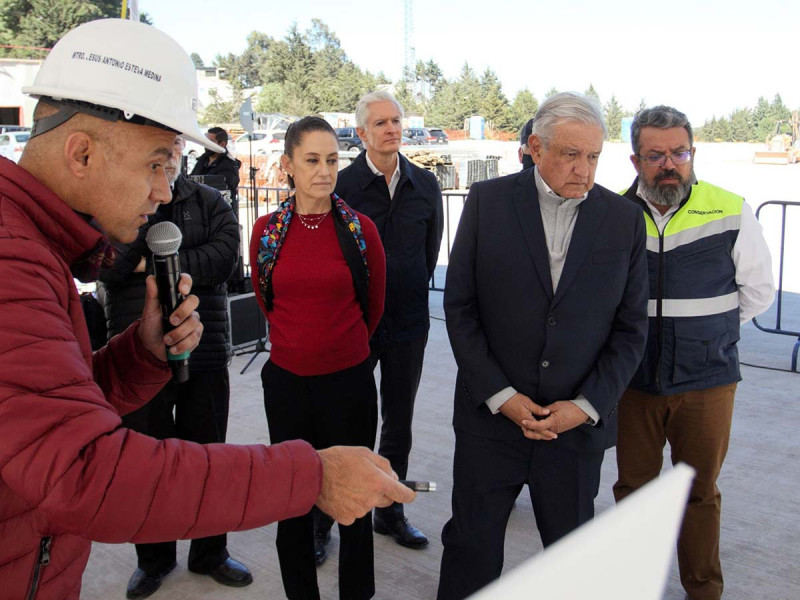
x=69, y=473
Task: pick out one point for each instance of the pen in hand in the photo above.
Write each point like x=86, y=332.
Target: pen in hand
x=419, y=486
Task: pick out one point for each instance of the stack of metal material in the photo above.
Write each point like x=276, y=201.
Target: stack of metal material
x=476, y=171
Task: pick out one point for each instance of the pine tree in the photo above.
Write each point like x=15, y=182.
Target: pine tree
x=523, y=108
x=613, y=113
x=494, y=104
x=741, y=128
x=592, y=93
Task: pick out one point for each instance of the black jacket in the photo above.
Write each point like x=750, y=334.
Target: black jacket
x=208, y=252
x=410, y=226
x=508, y=327
x=225, y=165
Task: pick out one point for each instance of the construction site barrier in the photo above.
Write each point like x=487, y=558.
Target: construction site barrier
x=778, y=327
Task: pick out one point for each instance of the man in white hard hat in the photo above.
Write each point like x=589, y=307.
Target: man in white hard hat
x=113, y=94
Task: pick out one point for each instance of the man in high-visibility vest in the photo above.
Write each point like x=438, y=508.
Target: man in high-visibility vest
x=710, y=270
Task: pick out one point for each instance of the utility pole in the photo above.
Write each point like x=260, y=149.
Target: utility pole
x=134, y=9
x=408, y=42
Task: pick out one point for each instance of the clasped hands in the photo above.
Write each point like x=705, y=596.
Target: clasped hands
x=556, y=418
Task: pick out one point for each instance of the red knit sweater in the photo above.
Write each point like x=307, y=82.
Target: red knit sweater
x=316, y=325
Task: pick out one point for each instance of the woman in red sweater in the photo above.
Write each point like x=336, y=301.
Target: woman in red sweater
x=319, y=273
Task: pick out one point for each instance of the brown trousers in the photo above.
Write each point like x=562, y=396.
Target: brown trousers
x=697, y=425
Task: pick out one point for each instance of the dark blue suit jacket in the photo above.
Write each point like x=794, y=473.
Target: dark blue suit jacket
x=508, y=328
x=410, y=226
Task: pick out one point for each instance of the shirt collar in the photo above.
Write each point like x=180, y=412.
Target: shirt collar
x=374, y=169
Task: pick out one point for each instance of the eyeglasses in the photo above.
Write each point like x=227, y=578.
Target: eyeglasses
x=659, y=160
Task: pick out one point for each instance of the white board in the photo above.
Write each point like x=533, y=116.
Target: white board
x=623, y=554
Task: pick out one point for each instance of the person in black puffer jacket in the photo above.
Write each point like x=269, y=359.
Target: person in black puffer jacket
x=208, y=252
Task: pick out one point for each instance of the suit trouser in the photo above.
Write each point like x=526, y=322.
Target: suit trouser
x=200, y=415
x=325, y=410
x=697, y=425
x=488, y=475
x=401, y=370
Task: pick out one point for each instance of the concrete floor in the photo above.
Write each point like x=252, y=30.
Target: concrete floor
x=759, y=484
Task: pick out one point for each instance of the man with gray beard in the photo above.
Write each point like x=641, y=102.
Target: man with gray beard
x=710, y=271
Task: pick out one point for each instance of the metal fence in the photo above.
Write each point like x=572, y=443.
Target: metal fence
x=451, y=216
x=778, y=327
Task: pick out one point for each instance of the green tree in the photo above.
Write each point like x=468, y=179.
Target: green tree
x=41, y=23
x=445, y=109
x=778, y=110
x=613, y=114
x=551, y=92
x=404, y=92
x=431, y=76
x=493, y=104
x=741, y=129
x=197, y=60
x=592, y=93
x=468, y=92
x=270, y=99
x=221, y=111
x=247, y=70
x=722, y=130
x=763, y=125
x=523, y=107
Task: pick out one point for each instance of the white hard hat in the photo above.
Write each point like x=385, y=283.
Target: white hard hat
x=139, y=72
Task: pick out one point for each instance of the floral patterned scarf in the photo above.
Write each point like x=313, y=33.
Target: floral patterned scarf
x=274, y=235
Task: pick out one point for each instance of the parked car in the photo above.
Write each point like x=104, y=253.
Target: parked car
x=8, y=128
x=439, y=134
x=348, y=138
x=264, y=142
x=407, y=141
x=13, y=143
x=422, y=134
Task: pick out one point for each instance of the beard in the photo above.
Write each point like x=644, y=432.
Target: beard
x=668, y=194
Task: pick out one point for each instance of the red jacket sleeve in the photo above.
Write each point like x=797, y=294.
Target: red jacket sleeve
x=128, y=374
x=376, y=262
x=63, y=451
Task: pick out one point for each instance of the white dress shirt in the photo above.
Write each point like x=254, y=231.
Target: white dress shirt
x=395, y=176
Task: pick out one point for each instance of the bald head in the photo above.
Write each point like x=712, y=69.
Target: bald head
x=113, y=171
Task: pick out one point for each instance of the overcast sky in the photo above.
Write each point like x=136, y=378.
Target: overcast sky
x=705, y=57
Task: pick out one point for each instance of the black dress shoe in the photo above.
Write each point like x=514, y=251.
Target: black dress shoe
x=142, y=585
x=231, y=573
x=321, y=539
x=403, y=532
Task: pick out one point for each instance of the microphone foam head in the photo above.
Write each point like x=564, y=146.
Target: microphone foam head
x=164, y=238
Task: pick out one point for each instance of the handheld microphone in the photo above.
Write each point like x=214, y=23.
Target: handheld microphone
x=163, y=240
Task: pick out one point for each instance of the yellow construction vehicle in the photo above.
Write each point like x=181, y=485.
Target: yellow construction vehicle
x=783, y=147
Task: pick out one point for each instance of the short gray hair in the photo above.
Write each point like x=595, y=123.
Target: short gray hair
x=362, y=108
x=564, y=107
x=660, y=117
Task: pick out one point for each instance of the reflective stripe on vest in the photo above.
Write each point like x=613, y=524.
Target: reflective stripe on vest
x=694, y=307
x=711, y=210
